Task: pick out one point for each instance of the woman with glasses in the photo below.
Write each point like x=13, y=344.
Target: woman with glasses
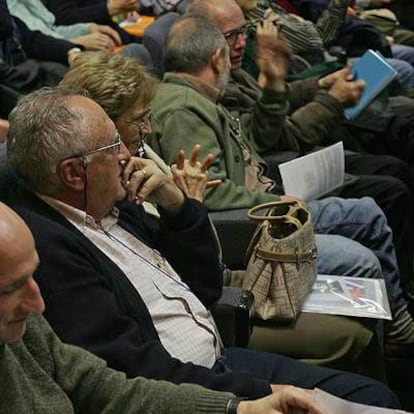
x=124, y=90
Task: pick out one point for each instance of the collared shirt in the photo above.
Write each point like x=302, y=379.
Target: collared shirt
x=185, y=327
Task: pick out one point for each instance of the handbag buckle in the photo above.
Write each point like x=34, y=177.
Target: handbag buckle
x=307, y=257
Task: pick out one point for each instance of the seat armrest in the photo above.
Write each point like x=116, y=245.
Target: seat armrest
x=233, y=314
x=234, y=230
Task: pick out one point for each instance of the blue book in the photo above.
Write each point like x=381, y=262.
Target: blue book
x=377, y=74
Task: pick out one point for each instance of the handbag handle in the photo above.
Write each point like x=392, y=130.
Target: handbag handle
x=252, y=216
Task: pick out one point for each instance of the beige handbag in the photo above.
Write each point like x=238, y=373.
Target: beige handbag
x=281, y=259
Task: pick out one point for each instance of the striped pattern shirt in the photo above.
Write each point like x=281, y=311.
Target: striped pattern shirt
x=185, y=327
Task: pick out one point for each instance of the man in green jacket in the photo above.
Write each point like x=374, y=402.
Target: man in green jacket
x=187, y=111
x=40, y=374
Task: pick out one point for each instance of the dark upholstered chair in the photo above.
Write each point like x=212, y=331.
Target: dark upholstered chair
x=154, y=39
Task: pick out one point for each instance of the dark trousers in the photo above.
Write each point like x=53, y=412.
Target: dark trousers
x=277, y=369
x=386, y=179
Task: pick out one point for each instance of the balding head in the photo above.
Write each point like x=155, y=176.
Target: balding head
x=46, y=126
x=191, y=43
x=20, y=294
x=215, y=10
x=228, y=17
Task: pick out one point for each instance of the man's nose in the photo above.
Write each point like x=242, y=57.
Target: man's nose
x=240, y=41
x=124, y=153
x=32, y=300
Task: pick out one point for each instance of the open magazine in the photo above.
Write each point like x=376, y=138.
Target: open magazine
x=336, y=405
x=349, y=296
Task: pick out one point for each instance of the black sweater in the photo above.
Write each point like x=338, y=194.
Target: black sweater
x=34, y=44
x=91, y=303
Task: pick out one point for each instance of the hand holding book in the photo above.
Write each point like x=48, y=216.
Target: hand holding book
x=344, y=87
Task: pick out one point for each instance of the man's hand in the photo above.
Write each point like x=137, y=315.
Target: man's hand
x=106, y=30
x=191, y=176
x=341, y=86
x=121, y=6
x=272, y=54
x=95, y=42
x=347, y=92
x=4, y=129
x=144, y=181
x=285, y=399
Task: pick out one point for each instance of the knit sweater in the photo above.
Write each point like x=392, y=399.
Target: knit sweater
x=40, y=374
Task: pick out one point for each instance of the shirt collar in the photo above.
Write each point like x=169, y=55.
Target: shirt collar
x=80, y=217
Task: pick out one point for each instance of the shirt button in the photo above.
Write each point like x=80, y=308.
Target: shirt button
x=237, y=158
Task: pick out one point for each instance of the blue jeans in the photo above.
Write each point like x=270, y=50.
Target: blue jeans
x=278, y=369
x=362, y=221
x=403, y=52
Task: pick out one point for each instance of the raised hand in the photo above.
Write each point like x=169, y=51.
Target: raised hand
x=272, y=54
x=191, y=175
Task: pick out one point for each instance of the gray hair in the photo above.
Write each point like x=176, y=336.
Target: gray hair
x=44, y=130
x=190, y=44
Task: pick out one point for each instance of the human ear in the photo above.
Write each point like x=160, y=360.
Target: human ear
x=72, y=173
x=217, y=61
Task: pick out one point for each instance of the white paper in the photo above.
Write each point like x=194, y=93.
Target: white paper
x=332, y=404
x=315, y=174
x=349, y=296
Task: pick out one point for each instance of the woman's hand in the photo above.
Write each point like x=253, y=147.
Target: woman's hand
x=191, y=175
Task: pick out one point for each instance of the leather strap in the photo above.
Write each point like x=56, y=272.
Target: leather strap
x=297, y=257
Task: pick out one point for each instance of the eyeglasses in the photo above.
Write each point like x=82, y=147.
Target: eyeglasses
x=232, y=35
x=116, y=146
x=140, y=122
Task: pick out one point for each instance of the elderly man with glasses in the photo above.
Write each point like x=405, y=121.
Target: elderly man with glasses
x=125, y=285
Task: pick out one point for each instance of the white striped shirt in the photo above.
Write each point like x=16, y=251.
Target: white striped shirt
x=185, y=327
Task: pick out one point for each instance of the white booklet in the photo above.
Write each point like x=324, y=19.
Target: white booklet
x=349, y=296
x=315, y=174
x=333, y=404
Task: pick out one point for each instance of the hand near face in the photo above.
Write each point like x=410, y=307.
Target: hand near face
x=285, y=399
x=272, y=54
x=191, y=175
x=144, y=181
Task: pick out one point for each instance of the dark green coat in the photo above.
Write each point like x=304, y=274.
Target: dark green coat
x=186, y=113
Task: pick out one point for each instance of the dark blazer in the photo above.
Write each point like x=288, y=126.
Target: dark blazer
x=91, y=303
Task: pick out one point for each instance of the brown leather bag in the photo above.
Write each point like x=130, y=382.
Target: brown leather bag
x=281, y=259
